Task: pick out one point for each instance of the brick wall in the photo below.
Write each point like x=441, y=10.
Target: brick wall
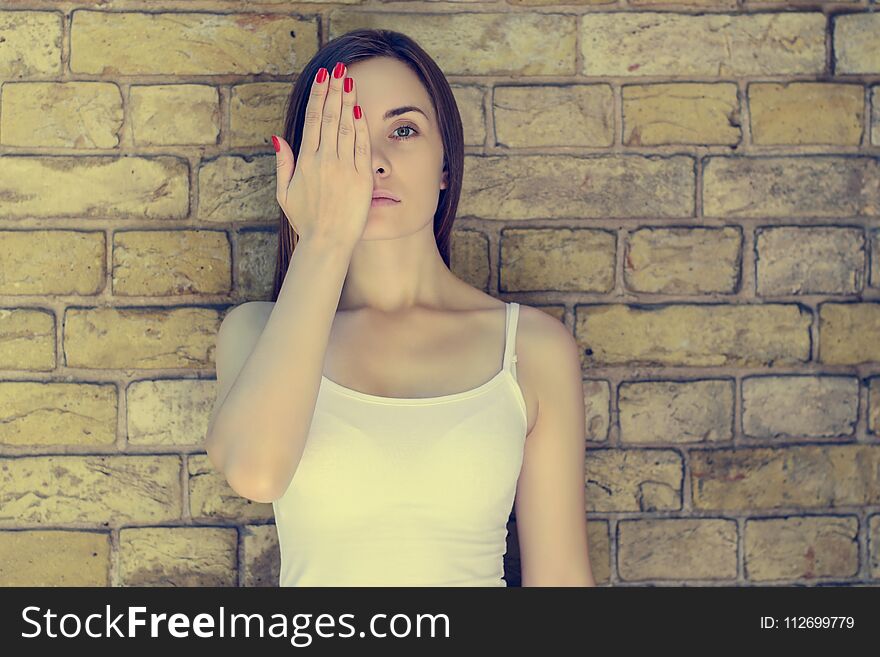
x=707, y=224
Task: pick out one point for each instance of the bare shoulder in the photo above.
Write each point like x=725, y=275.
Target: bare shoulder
x=548, y=357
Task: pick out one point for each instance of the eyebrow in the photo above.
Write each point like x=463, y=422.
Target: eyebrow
x=403, y=110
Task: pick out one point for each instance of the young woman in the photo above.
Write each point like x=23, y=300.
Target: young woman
x=392, y=413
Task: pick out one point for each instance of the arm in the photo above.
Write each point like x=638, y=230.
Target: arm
x=550, y=510
x=262, y=418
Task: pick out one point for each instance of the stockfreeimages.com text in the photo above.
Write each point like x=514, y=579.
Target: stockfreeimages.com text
x=203, y=625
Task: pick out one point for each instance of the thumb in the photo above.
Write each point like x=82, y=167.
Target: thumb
x=283, y=166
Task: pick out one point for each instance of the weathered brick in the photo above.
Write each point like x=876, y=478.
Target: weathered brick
x=31, y=44
x=469, y=257
x=874, y=544
x=57, y=413
x=50, y=114
x=676, y=411
x=723, y=45
x=569, y=186
x=509, y=43
x=94, y=186
x=52, y=262
x=169, y=412
x=875, y=114
x=54, y=558
x=849, y=333
x=101, y=43
x=809, y=260
x=174, y=114
x=237, y=188
x=874, y=405
x=99, y=490
x=855, y=43
x=676, y=548
x=469, y=99
x=140, y=338
x=600, y=550
x=572, y=115
x=27, y=339
x=683, y=260
x=715, y=335
x=875, y=255
x=806, y=113
x=171, y=262
x=211, y=497
x=633, y=480
x=597, y=410
x=801, y=548
x=805, y=186
x=257, y=111
x=803, y=476
x=681, y=113
x=262, y=555
x=800, y=406
x=256, y=259
x=178, y=556
x=557, y=259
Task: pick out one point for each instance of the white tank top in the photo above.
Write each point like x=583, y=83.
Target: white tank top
x=406, y=491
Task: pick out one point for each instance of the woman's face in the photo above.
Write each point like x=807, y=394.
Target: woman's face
x=407, y=150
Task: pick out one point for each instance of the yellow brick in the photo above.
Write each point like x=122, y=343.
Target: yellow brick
x=256, y=112
x=469, y=256
x=56, y=413
x=31, y=44
x=723, y=45
x=77, y=262
x=169, y=263
x=557, y=259
x=683, y=260
x=514, y=43
x=97, y=490
x=806, y=113
x=633, y=480
x=189, y=43
x=256, y=256
x=169, y=412
x=54, y=558
x=178, y=556
x=50, y=114
x=801, y=548
x=703, y=335
x=808, y=186
x=94, y=186
x=233, y=189
x=677, y=549
x=173, y=114
x=800, y=406
x=140, y=338
x=809, y=260
x=849, y=333
x=676, y=411
x=855, y=42
x=801, y=476
x=597, y=405
x=572, y=115
x=577, y=187
x=27, y=339
x=680, y=113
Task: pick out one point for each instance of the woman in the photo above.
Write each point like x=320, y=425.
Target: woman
x=376, y=401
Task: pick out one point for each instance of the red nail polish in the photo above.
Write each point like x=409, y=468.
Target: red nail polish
x=276, y=143
x=322, y=75
x=348, y=84
x=357, y=111
x=337, y=72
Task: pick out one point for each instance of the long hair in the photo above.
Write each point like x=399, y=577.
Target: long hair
x=364, y=44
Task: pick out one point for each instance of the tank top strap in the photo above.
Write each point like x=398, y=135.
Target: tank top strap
x=510, y=323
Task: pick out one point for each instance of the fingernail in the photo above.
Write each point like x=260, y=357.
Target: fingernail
x=276, y=143
x=322, y=75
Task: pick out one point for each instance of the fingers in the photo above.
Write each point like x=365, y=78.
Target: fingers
x=332, y=110
x=346, y=121
x=283, y=166
x=362, y=153
x=314, y=110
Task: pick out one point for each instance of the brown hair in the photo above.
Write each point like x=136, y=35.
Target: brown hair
x=364, y=44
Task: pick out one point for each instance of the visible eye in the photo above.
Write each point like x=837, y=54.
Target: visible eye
x=404, y=127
